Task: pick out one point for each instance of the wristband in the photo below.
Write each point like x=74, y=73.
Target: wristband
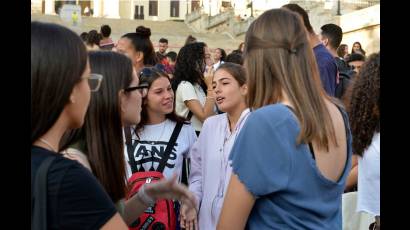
x=144, y=198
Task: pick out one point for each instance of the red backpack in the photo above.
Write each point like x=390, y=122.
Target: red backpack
x=162, y=215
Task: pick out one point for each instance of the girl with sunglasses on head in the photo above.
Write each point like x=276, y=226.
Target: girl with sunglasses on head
x=209, y=156
x=158, y=121
x=99, y=144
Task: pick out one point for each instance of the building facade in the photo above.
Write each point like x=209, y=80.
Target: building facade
x=155, y=10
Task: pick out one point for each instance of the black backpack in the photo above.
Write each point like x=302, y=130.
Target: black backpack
x=345, y=75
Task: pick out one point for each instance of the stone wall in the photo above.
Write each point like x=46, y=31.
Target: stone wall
x=366, y=30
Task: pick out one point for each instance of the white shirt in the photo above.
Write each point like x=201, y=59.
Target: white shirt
x=185, y=92
x=216, y=65
x=152, y=142
x=368, y=189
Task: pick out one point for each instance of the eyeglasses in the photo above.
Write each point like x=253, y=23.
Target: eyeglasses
x=94, y=81
x=143, y=89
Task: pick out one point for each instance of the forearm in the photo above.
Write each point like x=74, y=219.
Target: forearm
x=352, y=178
x=133, y=208
x=209, y=105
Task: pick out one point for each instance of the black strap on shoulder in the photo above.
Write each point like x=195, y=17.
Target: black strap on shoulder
x=169, y=147
x=39, y=218
x=189, y=115
x=130, y=149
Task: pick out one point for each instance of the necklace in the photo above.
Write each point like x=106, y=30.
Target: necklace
x=48, y=144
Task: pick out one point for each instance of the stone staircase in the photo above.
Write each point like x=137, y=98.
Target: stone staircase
x=224, y=22
x=318, y=10
x=175, y=32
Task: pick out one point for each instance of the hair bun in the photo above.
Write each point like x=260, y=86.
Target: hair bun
x=144, y=32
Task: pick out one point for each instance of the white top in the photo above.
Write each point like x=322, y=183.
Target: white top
x=151, y=144
x=216, y=65
x=368, y=188
x=185, y=92
x=210, y=171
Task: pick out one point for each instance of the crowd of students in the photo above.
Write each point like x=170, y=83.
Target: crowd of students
x=265, y=140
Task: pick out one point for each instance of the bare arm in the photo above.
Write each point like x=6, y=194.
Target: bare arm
x=116, y=222
x=200, y=112
x=352, y=178
x=237, y=206
x=207, y=110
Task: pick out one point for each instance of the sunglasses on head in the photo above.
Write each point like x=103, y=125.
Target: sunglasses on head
x=147, y=71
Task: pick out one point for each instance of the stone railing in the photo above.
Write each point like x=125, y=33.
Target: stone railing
x=194, y=15
x=241, y=27
x=219, y=19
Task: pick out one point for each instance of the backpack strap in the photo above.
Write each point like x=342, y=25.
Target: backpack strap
x=130, y=149
x=39, y=220
x=189, y=115
x=169, y=147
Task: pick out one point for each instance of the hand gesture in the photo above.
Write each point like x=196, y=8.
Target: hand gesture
x=170, y=189
x=208, y=77
x=188, y=218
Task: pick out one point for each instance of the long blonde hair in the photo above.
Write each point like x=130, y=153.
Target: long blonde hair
x=278, y=58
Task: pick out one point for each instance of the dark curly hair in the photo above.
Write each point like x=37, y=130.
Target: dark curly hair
x=364, y=106
x=190, y=65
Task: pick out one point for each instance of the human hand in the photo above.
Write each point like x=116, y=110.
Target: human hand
x=170, y=189
x=208, y=77
x=188, y=218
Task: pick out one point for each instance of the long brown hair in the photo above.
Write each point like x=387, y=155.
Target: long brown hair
x=278, y=58
x=101, y=137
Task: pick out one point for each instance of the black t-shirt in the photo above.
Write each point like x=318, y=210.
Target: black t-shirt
x=75, y=199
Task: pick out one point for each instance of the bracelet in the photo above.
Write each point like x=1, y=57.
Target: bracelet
x=144, y=198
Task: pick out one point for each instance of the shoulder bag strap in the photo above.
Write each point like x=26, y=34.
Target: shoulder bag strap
x=130, y=149
x=39, y=221
x=170, y=145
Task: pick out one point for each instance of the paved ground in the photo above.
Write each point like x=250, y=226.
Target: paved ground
x=175, y=32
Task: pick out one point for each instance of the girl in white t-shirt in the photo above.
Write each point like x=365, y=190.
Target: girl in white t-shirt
x=158, y=120
x=190, y=85
x=364, y=112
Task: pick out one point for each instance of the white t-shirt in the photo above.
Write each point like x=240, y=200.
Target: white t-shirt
x=151, y=145
x=216, y=65
x=368, y=188
x=185, y=92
